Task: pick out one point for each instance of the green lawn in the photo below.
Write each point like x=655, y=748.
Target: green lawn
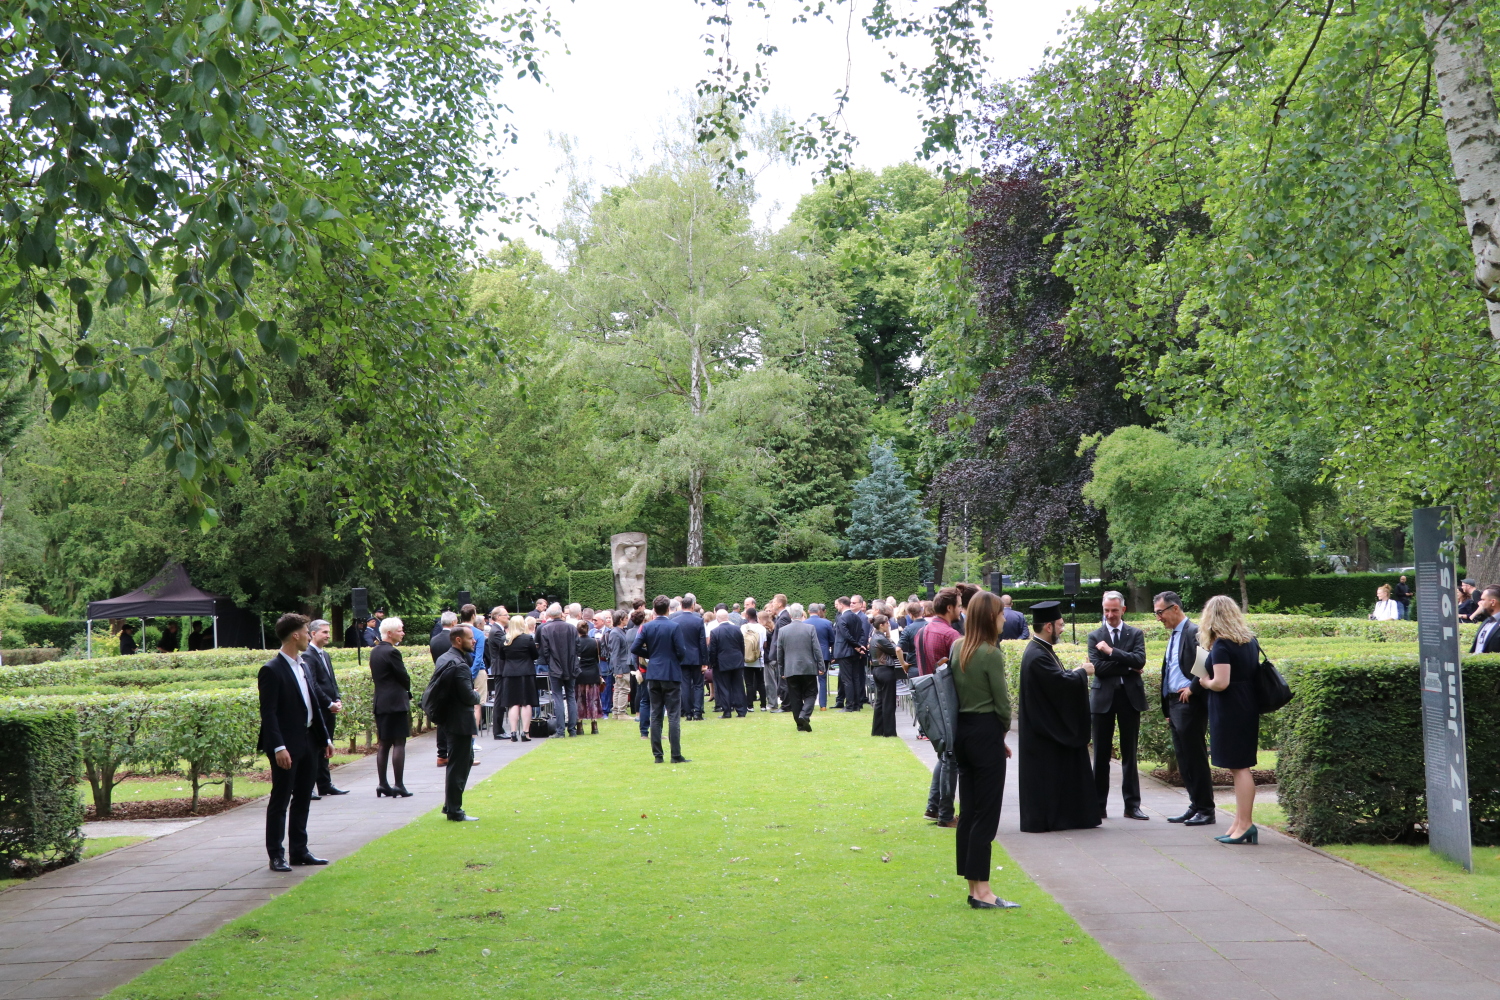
x=149, y=789
x=95, y=846
x=775, y=864
x=1424, y=871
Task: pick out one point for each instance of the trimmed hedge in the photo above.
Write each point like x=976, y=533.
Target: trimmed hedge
x=47, y=630
x=1343, y=594
x=29, y=654
x=804, y=582
x=40, y=815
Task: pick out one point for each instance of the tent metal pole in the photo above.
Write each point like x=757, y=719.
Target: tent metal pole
x=89, y=642
x=216, y=631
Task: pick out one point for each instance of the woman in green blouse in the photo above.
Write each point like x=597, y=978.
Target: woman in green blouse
x=977, y=664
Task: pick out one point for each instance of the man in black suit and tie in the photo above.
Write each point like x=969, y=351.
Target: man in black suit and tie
x=1118, y=652
x=726, y=654
x=1488, y=639
x=849, y=646
x=1184, y=702
x=691, y=624
x=326, y=687
x=449, y=703
x=292, y=735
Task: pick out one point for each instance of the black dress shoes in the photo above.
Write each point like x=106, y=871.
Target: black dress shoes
x=463, y=817
x=280, y=865
x=315, y=796
x=1134, y=812
x=1183, y=818
x=308, y=859
x=681, y=760
x=1199, y=819
x=335, y=791
x=661, y=760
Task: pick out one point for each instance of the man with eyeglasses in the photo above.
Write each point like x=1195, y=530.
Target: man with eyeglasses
x=1185, y=704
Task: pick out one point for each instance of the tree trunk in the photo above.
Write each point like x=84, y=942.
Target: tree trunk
x=1467, y=96
x=229, y=788
x=940, y=554
x=1482, y=542
x=1105, y=547
x=1398, y=546
x=695, y=518
x=1361, y=553
x=1239, y=569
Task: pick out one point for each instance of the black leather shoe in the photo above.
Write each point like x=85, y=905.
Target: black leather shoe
x=463, y=818
x=998, y=904
x=280, y=865
x=315, y=796
x=308, y=859
x=1183, y=818
x=681, y=760
x=1134, y=812
x=335, y=791
x=661, y=760
x=1200, y=819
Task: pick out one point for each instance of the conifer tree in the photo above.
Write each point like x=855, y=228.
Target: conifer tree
x=886, y=520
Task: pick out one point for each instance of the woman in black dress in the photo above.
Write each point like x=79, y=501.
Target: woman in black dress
x=589, y=684
x=885, y=667
x=392, y=706
x=1233, y=711
x=518, y=676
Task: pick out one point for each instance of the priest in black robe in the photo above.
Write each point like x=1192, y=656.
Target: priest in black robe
x=1057, y=781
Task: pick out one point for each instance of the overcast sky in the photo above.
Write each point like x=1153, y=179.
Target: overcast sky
x=622, y=71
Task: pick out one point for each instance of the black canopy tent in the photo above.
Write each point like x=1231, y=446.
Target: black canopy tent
x=168, y=594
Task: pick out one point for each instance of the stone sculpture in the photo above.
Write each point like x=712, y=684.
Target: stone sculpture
x=627, y=554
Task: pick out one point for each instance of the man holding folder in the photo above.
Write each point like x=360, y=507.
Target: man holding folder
x=1184, y=702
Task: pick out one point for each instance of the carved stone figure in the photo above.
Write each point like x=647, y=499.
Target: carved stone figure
x=627, y=552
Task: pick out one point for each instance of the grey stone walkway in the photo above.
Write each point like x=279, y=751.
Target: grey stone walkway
x=1191, y=918
x=83, y=930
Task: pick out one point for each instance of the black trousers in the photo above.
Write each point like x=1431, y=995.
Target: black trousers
x=442, y=744
x=692, y=690
x=755, y=681
x=979, y=751
x=885, y=700
x=729, y=691
x=1104, y=737
x=802, y=695
x=460, y=762
x=290, y=801
x=1190, y=743
x=666, y=699
x=852, y=682
x=325, y=777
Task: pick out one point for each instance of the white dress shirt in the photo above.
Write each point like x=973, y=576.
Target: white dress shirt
x=296, y=666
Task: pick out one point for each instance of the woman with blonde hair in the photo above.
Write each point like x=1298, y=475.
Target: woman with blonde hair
x=1386, y=610
x=1233, y=710
x=517, y=695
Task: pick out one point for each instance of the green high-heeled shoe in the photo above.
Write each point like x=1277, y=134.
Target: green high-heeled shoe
x=1250, y=836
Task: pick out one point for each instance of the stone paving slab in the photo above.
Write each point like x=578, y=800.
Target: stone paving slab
x=79, y=932
x=1190, y=918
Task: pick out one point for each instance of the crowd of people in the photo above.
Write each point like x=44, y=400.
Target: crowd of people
x=666, y=662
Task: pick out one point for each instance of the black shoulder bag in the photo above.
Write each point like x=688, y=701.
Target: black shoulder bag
x=1271, y=689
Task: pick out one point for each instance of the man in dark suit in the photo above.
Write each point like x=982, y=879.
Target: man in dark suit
x=557, y=647
x=824, y=628
x=690, y=622
x=1015, y=623
x=442, y=641
x=1488, y=639
x=1118, y=652
x=319, y=669
x=849, y=646
x=800, y=654
x=660, y=641
x=1184, y=702
x=293, y=737
x=726, y=654
x=449, y=703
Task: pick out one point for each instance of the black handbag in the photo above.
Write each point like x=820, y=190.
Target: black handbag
x=1271, y=689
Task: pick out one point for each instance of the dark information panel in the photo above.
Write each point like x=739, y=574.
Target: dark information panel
x=1442, y=685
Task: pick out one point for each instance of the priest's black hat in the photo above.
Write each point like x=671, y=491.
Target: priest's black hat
x=1045, y=611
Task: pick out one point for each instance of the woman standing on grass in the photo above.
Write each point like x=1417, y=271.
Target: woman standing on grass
x=977, y=664
x=1233, y=711
x=589, y=684
x=518, y=676
x=885, y=667
x=392, y=706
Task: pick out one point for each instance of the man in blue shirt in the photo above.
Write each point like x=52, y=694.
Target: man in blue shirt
x=824, y=628
x=662, y=643
x=1185, y=704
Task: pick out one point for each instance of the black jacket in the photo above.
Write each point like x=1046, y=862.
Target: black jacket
x=320, y=671
x=392, y=682
x=726, y=647
x=690, y=624
x=557, y=646
x=1120, y=669
x=1015, y=625
x=1185, y=659
x=283, y=713
x=1490, y=643
x=518, y=657
x=588, y=660
x=848, y=636
x=441, y=643
x=452, y=697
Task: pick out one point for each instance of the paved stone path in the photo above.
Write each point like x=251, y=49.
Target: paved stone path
x=1191, y=918
x=81, y=931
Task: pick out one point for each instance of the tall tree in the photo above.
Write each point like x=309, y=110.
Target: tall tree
x=886, y=519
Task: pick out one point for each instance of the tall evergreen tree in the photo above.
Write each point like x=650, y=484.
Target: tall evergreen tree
x=886, y=520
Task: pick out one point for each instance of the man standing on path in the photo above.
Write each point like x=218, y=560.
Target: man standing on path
x=557, y=646
x=293, y=737
x=1118, y=652
x=800, y=653
x=450, y=703
x=934, y=642
x=726, y=654
x=660, y=641
x=468, y=615
x=1185, y=704
x=319, y=669
x=1056, y=782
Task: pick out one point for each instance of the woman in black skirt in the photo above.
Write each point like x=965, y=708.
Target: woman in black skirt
x=1233, y=711
x=392, y=706
x=518, y=676
x=885, y=667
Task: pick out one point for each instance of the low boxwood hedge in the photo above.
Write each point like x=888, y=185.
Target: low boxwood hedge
x=40, y=815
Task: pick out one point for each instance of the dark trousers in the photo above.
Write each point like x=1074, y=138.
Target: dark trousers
x=325, y=777
x=564, y=705
x=755, y=681
x=666, y=699
x=460, y=761
x=979, y=753
x=802, y=695
x=940, y=793
x=852, y=683
x=442, y=744
x=692, y=690
x=729, y=691
x=291, y=798
x=885, y=700
x=1189, y=742
x=1104, y=737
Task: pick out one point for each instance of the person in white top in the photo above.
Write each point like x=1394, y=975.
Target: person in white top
x=1386, y=610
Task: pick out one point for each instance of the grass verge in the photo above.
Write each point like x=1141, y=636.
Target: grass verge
x=775, y=864
x=1424, y=871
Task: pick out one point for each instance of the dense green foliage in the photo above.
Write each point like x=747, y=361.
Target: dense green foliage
x=39, y=808
x=885, y=519
x=1349, y=595
x=807, y=582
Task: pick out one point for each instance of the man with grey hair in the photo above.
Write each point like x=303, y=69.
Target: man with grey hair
x=557, y=647
x=324, y=688
x=1117, y=650
x=574, y=614
x=800, y=653
x=442, y=641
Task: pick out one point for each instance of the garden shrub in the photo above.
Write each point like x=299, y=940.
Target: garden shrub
x=40, y=815
x=46, y=630
x=211, y=732
x=29, y=654
x=1341, y=594
x=804, y=582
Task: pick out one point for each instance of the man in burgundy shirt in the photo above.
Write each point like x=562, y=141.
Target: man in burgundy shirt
x=934, y=641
